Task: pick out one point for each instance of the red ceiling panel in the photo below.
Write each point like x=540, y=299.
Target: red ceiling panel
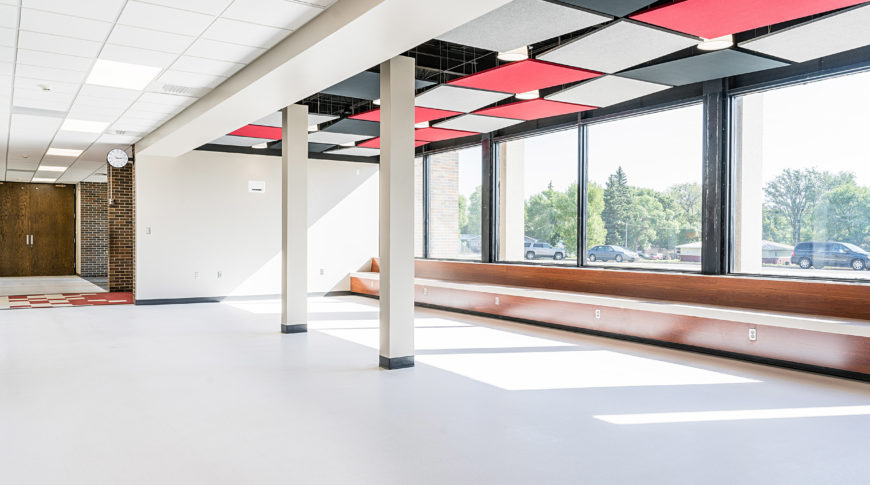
x=420, y=114
x=524, y=76
x=376, y=143
x=439, y=134
x=257, y=131
x=533, y=109
x=715, y=18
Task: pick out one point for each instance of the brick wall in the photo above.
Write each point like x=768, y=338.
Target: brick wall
x=444, y=205
x=122, y=228
x=94, y=223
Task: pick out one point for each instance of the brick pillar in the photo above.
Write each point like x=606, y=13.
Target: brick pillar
x=122, y=228
x=94, y=223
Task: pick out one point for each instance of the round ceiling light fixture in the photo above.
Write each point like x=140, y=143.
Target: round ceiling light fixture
x=518, y=54
x=717, y=43
x=534, y=94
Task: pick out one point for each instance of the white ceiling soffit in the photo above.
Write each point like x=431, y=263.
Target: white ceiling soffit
x=477, y=123
x=521, y=23
x=341, y=42
x=274, y=119
x=355, y=152
x=618, y=46
x=821, y=37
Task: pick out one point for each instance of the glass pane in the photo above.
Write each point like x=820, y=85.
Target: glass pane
x=802, y=185
x=418, y=207
x=644, y=193
x=538, y=199
x=455, y=204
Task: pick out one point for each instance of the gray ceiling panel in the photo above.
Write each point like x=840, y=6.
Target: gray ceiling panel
x=312, y=147
x=702, y=68
x=355, y=127
x=365, y=85
x=619, y=8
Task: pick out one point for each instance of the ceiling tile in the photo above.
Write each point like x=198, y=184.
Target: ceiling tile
x=71, y=139
x=145, y=57
x=521, y=23
x=335, y=138
x=355, y=152
x=49, y=74
x=618, y=46
x=476, y=123
x=439, y=134
x=159, y=41
x=704, y=67
x=105, y=10
x=7, y=37
x=821, y=37
x=420, y=114
x=47, y=59
x=523, y=76
x=58, y=45
x=167, y=99
x=6, y=69
x=256, y=131
x=44, y=101
x=715, y=18
x=244, y=33
x=135, y=125
x=7, y=54
x=206, y=66
x=274, y=119
x=18, y=175
x=240, y=141
x=619, y=8
x=356, y=127
x=108, y=93
x=274, y=13
x=65, y=25
x=224, y=51
x=211, y=7
x=533, y=109
x=8, y=16
x=164, y=19
x=37, y=86
x=376, y=143
x=607, y=91
x=112, y=139
x=94, y=113
x=199, y=84
x=365, y=85
x=454, y=98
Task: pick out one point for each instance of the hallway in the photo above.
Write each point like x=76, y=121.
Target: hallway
x=41, y=285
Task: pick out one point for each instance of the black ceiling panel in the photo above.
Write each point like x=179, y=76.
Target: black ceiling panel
x=365, y=85
x=619, y=8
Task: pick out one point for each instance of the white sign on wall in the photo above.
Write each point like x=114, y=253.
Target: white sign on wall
x=257, y=186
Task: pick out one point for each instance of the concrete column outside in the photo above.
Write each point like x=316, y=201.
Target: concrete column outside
x=512, y=209
x=748, y=184
x=294, y=219
x=397, y=214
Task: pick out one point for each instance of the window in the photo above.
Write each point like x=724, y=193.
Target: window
x=418, y=208
x=455, y=183
x=802, y=184
x=537, y=194
x=644, y=191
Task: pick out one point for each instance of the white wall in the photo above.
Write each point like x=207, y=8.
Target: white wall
x=203, y=220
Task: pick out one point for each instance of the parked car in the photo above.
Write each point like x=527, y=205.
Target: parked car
x=608, y=252
x=820, y=254
x=543, y=250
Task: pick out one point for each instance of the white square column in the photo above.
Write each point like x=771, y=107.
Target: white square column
x=294, y=219
x=397, y=214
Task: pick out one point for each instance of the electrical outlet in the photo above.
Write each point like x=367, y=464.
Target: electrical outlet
x=220, y=274
x=196, y=275
x=147, y=231
x=425, y=291
x=597, y=313
x=753, y=335
x=322, y=271
x=496, y=301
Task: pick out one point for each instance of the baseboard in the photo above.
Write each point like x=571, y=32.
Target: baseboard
x=218, y=299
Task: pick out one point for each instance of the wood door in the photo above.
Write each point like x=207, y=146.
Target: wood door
x=15, y=252
x=52, y=229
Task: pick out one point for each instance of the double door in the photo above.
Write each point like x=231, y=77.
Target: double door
x=37, y=229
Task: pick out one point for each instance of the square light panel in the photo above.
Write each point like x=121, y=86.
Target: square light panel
x=523, y=76
x=455, y=98
x=257, y=131
x=477, y=123
x=420, y=114
x=821, y=37
x=330, y=138
x=355, y=152
x=376, y=143
x=618, y=46
x=533, y=109
x=121, y=74
x=521, y=23
x=439, y=134
x=715, y=18
x=83, y=126
x=607, y=91
x=63, y=152
x=619, y=8
x=703, y=68
x=50, y=168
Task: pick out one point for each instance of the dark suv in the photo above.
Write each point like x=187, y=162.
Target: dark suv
x=820, y=254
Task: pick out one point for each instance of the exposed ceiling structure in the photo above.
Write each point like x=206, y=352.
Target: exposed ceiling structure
x=78, y=78
x=579, y=55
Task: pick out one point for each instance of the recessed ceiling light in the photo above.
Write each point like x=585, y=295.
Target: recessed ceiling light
x=512, y=55
x=46, y=168
x=63, y=152
x=260, y=146
x=45, y=180
x=349, y=144
x=84, y=126
x=377, y=102
x=422, y=124
x=121, y=74
x=535, y=94
x=716, y=44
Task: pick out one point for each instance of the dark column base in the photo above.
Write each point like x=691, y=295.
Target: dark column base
x=300, y=328
x=396, y=362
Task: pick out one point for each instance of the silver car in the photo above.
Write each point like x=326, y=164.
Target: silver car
x=543, y=250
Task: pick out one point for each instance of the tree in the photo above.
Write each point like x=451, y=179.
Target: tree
x=844, y=213
x=551, y=216
x=472, y=219
x=617, y=200
x=463, y=214
x=595, y=231
x=688, y=201
x=793, y=193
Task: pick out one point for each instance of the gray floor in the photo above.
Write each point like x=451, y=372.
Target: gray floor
x=43, y=285
x=212, y=394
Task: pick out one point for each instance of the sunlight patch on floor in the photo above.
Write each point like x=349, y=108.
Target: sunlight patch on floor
x=739, y=415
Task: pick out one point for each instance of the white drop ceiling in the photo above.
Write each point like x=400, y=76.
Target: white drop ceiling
x=48, y=50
